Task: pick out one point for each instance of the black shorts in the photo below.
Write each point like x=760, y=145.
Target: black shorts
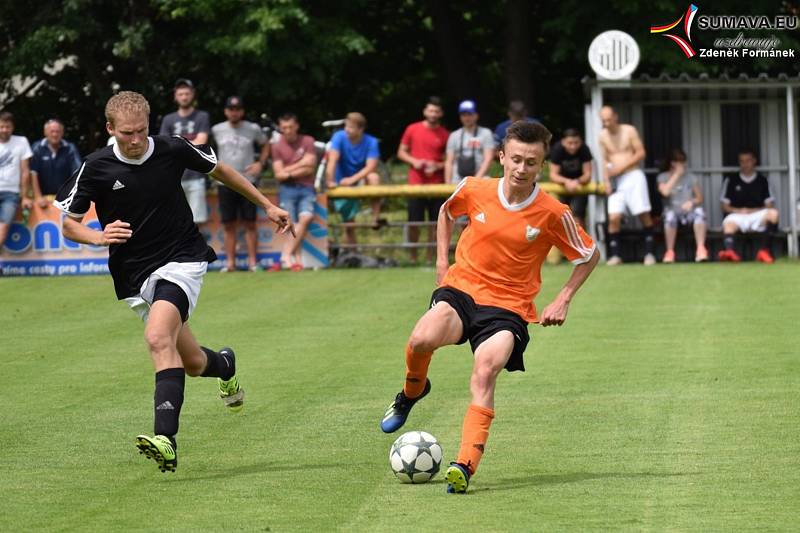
x=577, y=204
x=172, y=293
x=417, y=207
x=233, y=206
x=482, y=321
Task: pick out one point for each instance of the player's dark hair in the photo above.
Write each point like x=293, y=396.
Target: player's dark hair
x=434, y=100
x=674, y=154
x=288, y=116
x=572, y=132
x=747, y=150
x=528, y=133
x=7, y=116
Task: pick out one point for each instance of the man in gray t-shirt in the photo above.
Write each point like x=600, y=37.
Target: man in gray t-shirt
x=193, y=125
x=236, y=141
x=470, y=149
x=683, y=205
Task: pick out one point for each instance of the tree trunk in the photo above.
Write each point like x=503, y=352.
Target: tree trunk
x=518, y=45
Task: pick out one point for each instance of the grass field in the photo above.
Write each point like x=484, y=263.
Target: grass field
x=669, y=401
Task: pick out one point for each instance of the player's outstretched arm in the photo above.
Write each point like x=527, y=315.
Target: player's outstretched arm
x=556, y=313
x=116, y=232
x=444, y=232
x=232, y=179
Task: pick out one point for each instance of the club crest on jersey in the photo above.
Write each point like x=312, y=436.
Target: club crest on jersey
x=117, y=186
x=531, y=233
x=481, y=217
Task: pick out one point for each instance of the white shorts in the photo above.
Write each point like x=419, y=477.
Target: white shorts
x=187, y=276
x=195, y=191
x=748, y=222
x=630, y=195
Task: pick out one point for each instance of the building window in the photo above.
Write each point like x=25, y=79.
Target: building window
x=663, y=130
x=740, y=129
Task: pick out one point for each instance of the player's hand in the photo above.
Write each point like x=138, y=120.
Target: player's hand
x=42, y=202
x=571, y=185
x=554, y=314
x=281, y=219
x=116, y=232
x=607, y=186
x=331, y=184
x=418, y=164
x=348, y=181
x=687, y=206
x=26, y=203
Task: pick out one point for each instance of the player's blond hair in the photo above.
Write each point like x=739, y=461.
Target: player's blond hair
x=357, y=119
x=126, y=103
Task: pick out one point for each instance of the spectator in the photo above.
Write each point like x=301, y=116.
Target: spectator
x=683, y=204
x=193, y=125
x=422, y=147
x=470, y=149
x=54, y=161
x=622, y=152
x=15, y=155
x=236, y=141
x=571, y=166
x=353, y=160
x=516, y=111
x=294, y=161
x=749, y=207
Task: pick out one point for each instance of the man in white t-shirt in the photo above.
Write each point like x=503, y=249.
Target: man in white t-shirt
x=470, y=149
x=15, y=155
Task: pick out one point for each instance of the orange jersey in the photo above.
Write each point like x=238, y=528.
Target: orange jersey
x=500, y=253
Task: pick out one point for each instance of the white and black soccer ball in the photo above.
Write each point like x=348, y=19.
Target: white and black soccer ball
x=415, y=457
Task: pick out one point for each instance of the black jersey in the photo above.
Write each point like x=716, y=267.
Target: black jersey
x=754, y=193
x=146, y=193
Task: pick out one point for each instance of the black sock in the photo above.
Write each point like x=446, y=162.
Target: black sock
x=648, y=240
x=728, y=241
x=219, y=365
x=768, y=236
x=613, y=244
x=168, y=400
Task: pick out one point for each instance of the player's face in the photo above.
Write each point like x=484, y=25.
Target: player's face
x=468, y=120
x=6, y=129
x=234, y=114
x=522, y=163
x=571, y=144
x=747, y=164
x=432, y=113
x=130, y=132
x=289, y=129
x=54, y=132
x=184, y=96
x=352, y=130
x=609, y=118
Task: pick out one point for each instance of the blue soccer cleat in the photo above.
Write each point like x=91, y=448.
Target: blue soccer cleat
x=397, y=413
x=457, y=477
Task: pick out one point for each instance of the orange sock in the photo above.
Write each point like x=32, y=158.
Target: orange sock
x=474, y=436
x=416, y=372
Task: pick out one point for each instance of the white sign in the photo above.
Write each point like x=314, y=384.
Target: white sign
x=614, y=55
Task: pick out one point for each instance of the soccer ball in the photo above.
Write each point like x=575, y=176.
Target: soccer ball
x=415, y=457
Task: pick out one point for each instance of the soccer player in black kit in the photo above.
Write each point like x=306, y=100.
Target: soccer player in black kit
x=157, y=256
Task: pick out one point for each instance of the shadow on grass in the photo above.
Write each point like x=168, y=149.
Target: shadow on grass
x=249, y=470
x=535, y=480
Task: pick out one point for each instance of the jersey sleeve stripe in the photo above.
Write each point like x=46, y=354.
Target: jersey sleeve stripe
x=446, y=204
x=67, y=202
x=571, y=230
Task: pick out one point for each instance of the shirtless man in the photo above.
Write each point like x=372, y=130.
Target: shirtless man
x=622, y=151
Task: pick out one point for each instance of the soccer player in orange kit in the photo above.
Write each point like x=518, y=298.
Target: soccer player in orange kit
x=487, y=295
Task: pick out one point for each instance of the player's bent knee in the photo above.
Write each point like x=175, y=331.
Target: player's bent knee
x=419, y=342
x=158, y=340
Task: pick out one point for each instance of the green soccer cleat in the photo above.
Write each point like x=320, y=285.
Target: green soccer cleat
x=231, y=393
x=160, y=450
x=457, y=477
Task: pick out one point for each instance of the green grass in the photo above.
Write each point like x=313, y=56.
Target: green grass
x=669, y=401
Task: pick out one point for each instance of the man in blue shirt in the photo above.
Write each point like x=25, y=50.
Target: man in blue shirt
x=516, y=111
x=353, y=159
x=54, y=161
